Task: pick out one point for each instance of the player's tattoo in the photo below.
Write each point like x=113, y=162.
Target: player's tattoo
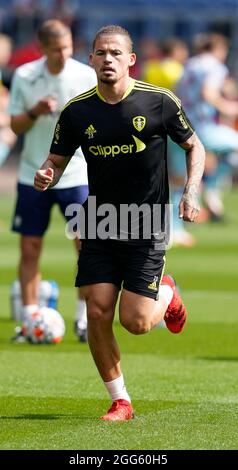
x=191, y=196
x=195, y=157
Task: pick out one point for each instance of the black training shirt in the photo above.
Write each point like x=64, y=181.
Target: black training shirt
x=124, y=144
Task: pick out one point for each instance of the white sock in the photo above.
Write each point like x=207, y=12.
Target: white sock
x=81, y=314
x=117, y=390
x=28, y=309
x=166, y=292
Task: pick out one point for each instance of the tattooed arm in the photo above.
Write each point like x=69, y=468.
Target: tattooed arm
x=195, y=159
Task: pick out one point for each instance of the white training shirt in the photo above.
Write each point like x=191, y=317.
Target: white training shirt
x=200, y=69
x=31, y=82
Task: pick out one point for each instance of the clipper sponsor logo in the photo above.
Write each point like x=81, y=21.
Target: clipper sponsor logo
x=139, y=122
x=90, y=131
x=113, y=150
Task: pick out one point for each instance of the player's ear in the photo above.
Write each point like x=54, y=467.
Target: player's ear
x=132, y=60
x=91, y=59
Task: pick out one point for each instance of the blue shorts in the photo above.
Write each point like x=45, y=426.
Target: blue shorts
x=33, y=208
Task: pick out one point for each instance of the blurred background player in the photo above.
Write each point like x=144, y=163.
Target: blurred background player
x=7, y=137
x=202, y=89
x=39, y=91
x=165, y=73
x=166, y=70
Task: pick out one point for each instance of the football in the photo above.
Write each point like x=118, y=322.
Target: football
x=44, y=326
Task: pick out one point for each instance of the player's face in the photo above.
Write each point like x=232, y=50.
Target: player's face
x=58, y=50
x=112, y=58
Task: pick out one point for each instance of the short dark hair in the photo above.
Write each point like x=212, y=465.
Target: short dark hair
x=113, y=29
x=52, y=29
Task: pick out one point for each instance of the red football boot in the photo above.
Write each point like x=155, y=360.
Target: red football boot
x=175, y=315
x=121, y=410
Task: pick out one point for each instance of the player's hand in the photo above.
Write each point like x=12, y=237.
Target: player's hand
x=189, y=205
x=43, y=179
x=46, y=105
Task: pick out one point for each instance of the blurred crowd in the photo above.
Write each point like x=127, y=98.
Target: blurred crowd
x=195, y=71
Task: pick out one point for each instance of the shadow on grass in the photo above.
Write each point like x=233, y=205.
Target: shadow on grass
x=8, y=320
x=219, y=358
x=33, y=416
x=93, y=409
x=49, y=417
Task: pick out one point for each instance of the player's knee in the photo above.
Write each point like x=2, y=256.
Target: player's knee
x=96, y=312
x=136, y=326
x=30, y=252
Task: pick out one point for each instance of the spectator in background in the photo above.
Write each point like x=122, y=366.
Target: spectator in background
x=149, y=51
x=39, y=91
x=165, y=73
x=26, y=53
x=230, y=92
x=22, y=19
x=64, y=11
x=7, y=137
x=201, y=91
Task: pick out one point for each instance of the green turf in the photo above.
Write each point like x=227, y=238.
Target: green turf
x=184, y=388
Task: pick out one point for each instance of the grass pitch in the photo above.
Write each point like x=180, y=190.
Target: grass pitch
x=184, y=388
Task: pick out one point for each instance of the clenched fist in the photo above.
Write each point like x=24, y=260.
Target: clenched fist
x=43, y=179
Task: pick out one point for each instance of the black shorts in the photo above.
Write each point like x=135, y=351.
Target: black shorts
x=138, y=266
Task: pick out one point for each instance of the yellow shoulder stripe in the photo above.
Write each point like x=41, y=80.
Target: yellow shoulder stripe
x=139, y=82
x=155, y=89
x=163, y=91
x=85, y=95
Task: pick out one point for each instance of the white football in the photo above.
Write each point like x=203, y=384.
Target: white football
x=44, y=326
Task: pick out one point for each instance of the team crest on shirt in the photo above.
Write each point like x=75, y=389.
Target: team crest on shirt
x=90, y=131
x=139, y=122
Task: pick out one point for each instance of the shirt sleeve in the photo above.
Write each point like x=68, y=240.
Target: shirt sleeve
x=17, y=102
x=64, y=141
x=176, y=123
